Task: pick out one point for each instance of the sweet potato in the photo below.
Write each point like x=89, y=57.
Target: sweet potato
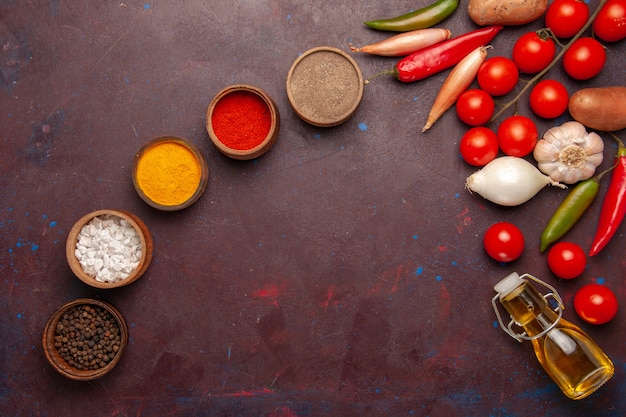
x=506, y=12
x=601, y=108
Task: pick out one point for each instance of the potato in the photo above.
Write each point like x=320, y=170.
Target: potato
x=506, y=12
x=601, y=108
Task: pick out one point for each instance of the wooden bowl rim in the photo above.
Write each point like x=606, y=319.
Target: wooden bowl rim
x=144, y=236
x=59, y=364
x=340, y=118
x=262, y=147
x=204, y=172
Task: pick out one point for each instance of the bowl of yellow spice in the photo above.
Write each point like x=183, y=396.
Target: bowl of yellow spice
x=170, y=173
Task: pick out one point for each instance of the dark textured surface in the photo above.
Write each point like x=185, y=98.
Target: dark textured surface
x=342, y=273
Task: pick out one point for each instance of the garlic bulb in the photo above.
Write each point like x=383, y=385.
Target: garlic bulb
x=569, y=154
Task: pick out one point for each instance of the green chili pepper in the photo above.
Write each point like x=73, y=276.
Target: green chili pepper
x=571, y=209
x=418, y=19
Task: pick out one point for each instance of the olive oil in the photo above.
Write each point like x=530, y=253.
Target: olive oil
x=577, y=365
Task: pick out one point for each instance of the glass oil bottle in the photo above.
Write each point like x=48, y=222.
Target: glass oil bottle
x=577, y=365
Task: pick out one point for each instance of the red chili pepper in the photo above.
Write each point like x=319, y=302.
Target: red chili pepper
x=441, y=56
x=614, y=204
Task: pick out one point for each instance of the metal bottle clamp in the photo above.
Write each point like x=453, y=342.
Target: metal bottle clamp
x=523, y=336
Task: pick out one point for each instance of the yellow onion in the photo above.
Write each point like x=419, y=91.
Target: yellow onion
x=568, y=154
x=405, y=43
x=459, y=79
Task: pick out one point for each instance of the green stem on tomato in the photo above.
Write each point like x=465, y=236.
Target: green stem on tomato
x=553, y=36
x=556, y=59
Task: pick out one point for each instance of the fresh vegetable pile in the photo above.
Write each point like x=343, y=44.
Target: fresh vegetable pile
x=578, y=40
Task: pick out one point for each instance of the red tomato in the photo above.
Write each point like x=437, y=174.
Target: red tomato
x=549, y=99
x=610, y=24
x=475, y=107
x=566, y=17
x=517, y=135
x=567, y=260
x=584, y=59
x=504, y=242
x=595, y=303
x=498, y=76
x=533, y=52
x=479, y=146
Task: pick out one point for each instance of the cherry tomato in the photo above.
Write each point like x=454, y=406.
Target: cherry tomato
x=479, y=146
x=584, y=59
x=595, y=303
x=610, y=24
x=517, y=135
x=549, y=99
x=504, y=242
x=567, y=260
x=498, y=75
x=566, y=17
x=475, y=107
x=533, y=52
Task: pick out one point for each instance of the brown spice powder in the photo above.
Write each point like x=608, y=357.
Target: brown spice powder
x=325, y=87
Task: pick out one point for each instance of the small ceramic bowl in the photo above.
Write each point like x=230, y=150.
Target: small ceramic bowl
x=170, y=173
x=231, y=116
x=324, y=86
x=145, y=240
x=53, y=342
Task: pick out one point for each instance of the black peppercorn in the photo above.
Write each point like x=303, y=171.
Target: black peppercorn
x=76, y=339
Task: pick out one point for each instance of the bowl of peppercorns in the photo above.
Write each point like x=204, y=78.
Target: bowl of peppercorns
x=85, y=339
x=109, y=248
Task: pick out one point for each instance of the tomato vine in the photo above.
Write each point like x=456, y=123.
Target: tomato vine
x=556, y=59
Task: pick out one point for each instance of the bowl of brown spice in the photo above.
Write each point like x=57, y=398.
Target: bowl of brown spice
x=109, y=248
x=85, y=339
x=324, y=86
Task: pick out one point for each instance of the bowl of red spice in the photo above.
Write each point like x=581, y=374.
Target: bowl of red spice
x=170, y=173
x=243, y=121
x=85, y=339
x=109, y=248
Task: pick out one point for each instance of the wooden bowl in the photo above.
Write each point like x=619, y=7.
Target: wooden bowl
x=155, y=178
x=229, y=145
x=145, y=239
x=52, y=345
x=324, y=86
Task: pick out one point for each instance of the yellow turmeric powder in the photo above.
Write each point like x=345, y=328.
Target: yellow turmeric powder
x=168, y=173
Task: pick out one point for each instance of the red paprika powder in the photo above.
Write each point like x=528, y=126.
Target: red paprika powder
x=241, y=120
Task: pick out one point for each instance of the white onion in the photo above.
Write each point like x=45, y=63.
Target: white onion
x=508, y=181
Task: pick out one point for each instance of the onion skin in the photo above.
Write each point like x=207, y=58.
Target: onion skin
x=508, y=181
x=459, y=79
x=405, y=43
